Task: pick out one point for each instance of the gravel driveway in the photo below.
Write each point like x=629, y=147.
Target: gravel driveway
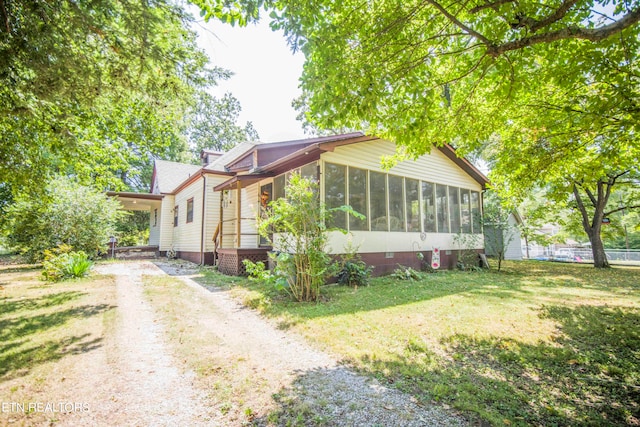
x=142, y=384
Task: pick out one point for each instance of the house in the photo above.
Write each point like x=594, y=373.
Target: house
x=207, y=214
x=505, y=238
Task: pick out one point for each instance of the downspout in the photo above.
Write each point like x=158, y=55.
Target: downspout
x=203, y=218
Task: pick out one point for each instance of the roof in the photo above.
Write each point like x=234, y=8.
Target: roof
x=169, y=175
x=274, y=158
x=220, y=164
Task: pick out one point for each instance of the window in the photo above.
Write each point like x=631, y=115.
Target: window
x=465, y=211
x=310, y=171
x=190, y=210
x=358, y=198
x=454, y=209
x=412, y=197
x=475, y=212
x=335, y=192
x=266, y=193
x=175, y=216
x=396, y=203
x=442, y=209
x=378, y=201
x=155, y=217
x=429, y=207
x=279, y=184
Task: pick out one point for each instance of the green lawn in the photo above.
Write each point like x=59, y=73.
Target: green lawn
x=535, y=344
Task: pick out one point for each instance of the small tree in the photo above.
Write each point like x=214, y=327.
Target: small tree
x=68, y=213
x=295, y=226
x=498, y=233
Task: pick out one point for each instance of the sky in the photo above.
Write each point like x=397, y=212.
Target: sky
x=266, y=75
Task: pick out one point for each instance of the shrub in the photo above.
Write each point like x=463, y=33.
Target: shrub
x=405, y=273
x=60, y=264
x=67, y=213
x=354, y=273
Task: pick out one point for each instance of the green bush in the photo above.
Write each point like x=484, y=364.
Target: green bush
x=354, y=273
x=405, y=273
x=60, y=265
x=67, y=213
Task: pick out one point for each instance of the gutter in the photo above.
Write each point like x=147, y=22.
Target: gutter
x=202, y=219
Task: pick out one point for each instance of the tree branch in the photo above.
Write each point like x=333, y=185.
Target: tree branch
x=493, y=5
x=6, y=17
x=591, y=34
x=583, y=211
x=555, y=16
x=621, y=209
x=459, y=24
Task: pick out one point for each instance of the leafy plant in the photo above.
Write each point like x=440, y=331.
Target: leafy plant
x=61, y=264
x=354, y=273
x=295, y=226
x=405, y=273
x=68, y=214
x=467, y=256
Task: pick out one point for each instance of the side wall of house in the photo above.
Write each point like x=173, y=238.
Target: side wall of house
x=155, y=223
x=433, y=167
x=513, y=251
x=165, y=231
x=212, y=210
x=186, y=235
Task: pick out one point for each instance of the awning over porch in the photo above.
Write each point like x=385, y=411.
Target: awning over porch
x=136, y=201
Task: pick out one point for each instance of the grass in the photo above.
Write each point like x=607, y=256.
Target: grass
x=535, y=344
x=41, y=326
x=235, y=391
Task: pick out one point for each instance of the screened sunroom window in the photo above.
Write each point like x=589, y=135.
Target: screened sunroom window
x=454, y=209
x=358, y=198
x=412, y=197
x=442, y=208
x=429, y=203
x=378, y=201
x=465, y=211
x=396, y=203
x=279, y=184
x=475, y=212
x=335, y=192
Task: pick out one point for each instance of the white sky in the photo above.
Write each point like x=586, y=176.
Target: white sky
x=266, y=75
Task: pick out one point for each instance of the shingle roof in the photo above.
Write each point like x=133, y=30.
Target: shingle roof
x=168, y=175
x=218, y=165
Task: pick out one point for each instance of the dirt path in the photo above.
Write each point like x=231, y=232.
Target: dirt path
x=134, y=380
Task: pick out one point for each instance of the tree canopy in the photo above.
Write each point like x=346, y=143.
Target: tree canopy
x=96, y=89
x=551, y=91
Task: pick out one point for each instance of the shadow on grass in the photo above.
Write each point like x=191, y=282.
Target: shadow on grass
x=19, y=354
x=16, y=361
x=589, y=375
x=521, y=281
x=9, y=305
x=27, y=325
x=339, y=397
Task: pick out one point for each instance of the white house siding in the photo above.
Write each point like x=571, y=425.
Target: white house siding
x=432, y=167
x=155, y=225
x=186, y=236
x=513, y=251
x=165, y=220
x=250, y=210
x=212, y=209
x=228, y=216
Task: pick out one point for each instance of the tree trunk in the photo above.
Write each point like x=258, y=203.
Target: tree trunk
x=593, y=226
x=599, y=256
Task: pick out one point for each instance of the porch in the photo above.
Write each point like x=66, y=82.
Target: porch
x=236, y=236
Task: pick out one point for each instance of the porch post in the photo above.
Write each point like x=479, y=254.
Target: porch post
x=238, y=212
